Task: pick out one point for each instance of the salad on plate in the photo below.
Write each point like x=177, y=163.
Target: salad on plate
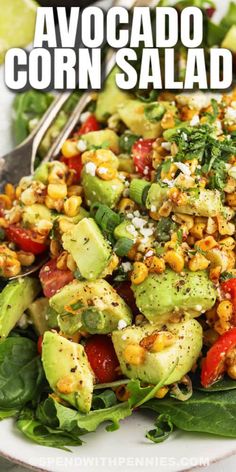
x=135, y=306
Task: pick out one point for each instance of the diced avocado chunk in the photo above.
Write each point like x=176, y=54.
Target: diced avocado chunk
x=188, y=293
x=41, y=173
x=88, y=248
x=67, y=370
x=198, y=202
x=33, y=214
x=37, y=311
x=229, y=41
x=104, y=137
x=98, y=306
x=132, y=113
x=183, y=352
x=126, y=164
x=15, y=298
x=110, y=97
x=122, y=231
x=51, y=317
x=98, y=190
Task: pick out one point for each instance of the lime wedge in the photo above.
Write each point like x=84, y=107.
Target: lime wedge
x=17, y=22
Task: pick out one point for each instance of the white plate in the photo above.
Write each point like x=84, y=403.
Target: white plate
x=126, y=449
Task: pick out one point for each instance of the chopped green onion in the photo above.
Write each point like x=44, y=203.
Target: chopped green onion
x=106, y=218
x=126, y=141
x=138, y=190
x=93, y=320
x=123, y=246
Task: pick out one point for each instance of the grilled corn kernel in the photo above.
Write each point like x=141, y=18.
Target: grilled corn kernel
x=3, y=223
x=12, y=267
x=55, y=248
x=65, y=225
x=231, y=199
x=122, y=394
x=139, y=273
x=168, y=120
x=197, y=230
x=5, y=201
x=231, y=371
x=14, y=215
x=134, y=354
x=26, y=258
x=218, y=258
x=57, y=191
x=53, y=204
x=162, y=392
x=155, y=264
x=198, y=262
x=72, y=206
x=165, y=209
x=214, y=274
x=10, y=191
x=28, y=196
x=225, y=228
x=186, y=220
x=106, y=172
x=225, y=310
x=228, y=243
x=62, y=261
x=163, y=340
x=69, y=148
x=74, y=190
x=222, y=326
x=207, y=243
x=154, y=215
x=174, y=260
x=211, y=226
x=71, y=265
x=44, y=227
x=126, y=204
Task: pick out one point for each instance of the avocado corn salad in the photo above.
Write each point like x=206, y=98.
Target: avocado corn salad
x=136, y=305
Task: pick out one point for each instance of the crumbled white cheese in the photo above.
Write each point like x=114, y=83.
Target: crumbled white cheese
x=170, y=183
x=84, y=116
x=130, y=216
x=230, y=115
x=90, y=168
x=195, y=120
x=81, y=145
x=126, y=266
x=103, y=170
x=149, y=253
x=198, y=307
x=146, y=170
x=232, y=172
x=146, y=232
x=138, y=222
x=153, y=208
x=197, y=100
x=185, y=136
x=121, y=324
x=136, y=213
x=131, y=229
x=183, y=167
x=166, y=146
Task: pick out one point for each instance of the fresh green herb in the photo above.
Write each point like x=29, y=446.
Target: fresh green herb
x=104, y=145
x=180, y=235
x=215, y=111
x=226, y=276
x=126, y=142
x=165, y=227
x=154, y=111
x=148, y=97
x=7, y=414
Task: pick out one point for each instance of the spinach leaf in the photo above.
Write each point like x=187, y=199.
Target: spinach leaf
x=103, y=399
x=213, y=412
x=45, y=435
x=56, y=415
x=21, y=373
x=220, y=386
x=164, y=428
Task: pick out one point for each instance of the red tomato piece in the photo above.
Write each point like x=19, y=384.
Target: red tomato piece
x=74, y=163
x=229, y=286
x=91, y=124
x=25, y=239
x=53, y=279
x=141, y=153
x=124, y=290
x=214, y=363
x=40, y=344
x=210, y=11
x=102, y=358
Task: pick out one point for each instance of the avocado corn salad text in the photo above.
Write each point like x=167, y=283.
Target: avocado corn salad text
x=137, y=217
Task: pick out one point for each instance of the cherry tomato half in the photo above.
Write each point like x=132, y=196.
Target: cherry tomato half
x=213, y=365
x=74, y=163
x=102, y=358
x=25, y=239
x=40, y=344
x=53, y=279
x=229, y=286
x=141, y=153
x=91, y=124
